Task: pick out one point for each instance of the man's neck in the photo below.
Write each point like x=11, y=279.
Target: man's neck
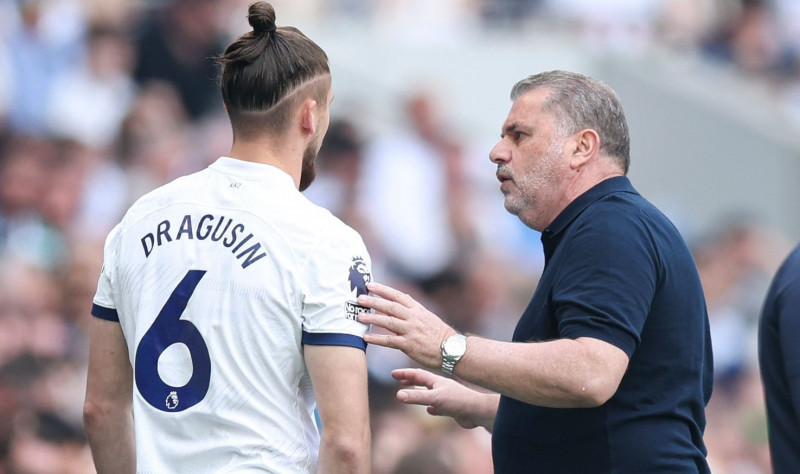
x=271, y=152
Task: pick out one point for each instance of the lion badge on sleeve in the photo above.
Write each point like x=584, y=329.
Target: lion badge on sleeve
x=358, y=276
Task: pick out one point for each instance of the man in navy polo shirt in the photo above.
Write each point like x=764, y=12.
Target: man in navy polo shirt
x=610, y=366
x=779, y=360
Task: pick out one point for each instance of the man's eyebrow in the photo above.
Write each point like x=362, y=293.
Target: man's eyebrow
x=510, y=128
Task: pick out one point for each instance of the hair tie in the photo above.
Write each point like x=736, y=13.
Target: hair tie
x=263, y=27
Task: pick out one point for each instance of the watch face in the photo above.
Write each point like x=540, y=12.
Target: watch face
x=455, y=345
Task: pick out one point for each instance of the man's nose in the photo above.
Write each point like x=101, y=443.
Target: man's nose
x=499, y=153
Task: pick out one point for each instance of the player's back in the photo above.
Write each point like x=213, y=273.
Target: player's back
x=210, y=288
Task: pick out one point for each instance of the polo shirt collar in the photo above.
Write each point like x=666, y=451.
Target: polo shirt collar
x=576, y=207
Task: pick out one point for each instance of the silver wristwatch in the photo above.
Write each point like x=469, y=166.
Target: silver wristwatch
x=453, y=349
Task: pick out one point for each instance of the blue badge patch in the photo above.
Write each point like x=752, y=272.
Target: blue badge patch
x=358, y=276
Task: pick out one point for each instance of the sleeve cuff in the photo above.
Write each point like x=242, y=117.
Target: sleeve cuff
x=329, y=339
x=109, y=314
x=620, y=340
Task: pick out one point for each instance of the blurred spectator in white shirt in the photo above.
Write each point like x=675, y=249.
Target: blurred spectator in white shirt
x=95, y=95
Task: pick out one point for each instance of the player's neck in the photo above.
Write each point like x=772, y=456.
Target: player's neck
x=283, y=156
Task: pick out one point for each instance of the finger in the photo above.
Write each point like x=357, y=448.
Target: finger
x=384, y=321
x=382, y=305
x=383, y=340
x=415, y=377
x=391, y=294
x=380, y=289
x=416, y=396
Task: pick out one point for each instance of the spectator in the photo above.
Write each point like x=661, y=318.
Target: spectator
x=176, y=45
x=417, y=233
x=95, y=95
x=48, y=40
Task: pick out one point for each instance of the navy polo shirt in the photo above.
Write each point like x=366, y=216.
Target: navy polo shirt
x=616, y=269
x=779, y=359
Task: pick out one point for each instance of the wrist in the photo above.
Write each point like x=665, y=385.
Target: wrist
x=486, y=412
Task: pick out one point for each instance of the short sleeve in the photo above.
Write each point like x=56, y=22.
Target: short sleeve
x=336, y=273
x=607, y=291
x=103, y=303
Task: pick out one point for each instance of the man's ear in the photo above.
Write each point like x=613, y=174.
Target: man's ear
x=309, y=116
x=586, y=144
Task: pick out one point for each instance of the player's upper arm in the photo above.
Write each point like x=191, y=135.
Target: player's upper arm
x=337, y=272
x=110, y=380
x=339, y=377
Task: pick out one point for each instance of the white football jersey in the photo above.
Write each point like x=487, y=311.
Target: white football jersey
x=218, y=279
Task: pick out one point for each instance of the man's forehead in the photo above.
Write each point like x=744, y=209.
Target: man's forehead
x=532, y=99
x=525, y=110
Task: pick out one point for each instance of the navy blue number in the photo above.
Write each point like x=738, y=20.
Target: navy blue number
x=168, y=329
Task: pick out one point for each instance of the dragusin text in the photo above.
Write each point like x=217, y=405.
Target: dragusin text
x=216, y=228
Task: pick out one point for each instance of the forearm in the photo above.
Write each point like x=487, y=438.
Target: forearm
x=567, y=373
x=560, y=374
x=111, y=439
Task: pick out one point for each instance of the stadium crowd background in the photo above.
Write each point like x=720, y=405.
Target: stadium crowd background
x=103, y=100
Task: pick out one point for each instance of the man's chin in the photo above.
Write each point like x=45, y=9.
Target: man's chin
x=511, y=208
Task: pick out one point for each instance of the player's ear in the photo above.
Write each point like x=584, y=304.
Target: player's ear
x=584, y=145
x=309, y=112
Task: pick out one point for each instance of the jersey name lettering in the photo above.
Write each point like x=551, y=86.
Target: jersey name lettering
x=219, y=229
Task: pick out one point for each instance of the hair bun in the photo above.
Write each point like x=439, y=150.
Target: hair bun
x=261, y=17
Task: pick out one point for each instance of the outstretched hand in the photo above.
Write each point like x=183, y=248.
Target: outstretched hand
x=414, y=330
x=446, y=397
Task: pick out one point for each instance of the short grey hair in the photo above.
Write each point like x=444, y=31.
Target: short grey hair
x=581, y=102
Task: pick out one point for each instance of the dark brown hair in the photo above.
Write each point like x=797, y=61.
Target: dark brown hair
x=267, y=72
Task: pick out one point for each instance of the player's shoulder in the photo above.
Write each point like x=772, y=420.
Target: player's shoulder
x=163, y=196
x=320, y=221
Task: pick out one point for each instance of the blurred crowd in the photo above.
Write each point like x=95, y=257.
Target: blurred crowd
x=103, y=100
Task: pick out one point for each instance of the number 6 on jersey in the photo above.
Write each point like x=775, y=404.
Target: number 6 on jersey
x=168, y=329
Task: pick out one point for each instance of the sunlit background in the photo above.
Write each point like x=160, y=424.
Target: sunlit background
x=103, y=100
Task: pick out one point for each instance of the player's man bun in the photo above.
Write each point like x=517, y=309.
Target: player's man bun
x=250, y=46
x=261, y=16
x=262, y=67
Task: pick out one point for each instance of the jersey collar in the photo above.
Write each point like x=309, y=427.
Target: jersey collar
x=251, y=171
